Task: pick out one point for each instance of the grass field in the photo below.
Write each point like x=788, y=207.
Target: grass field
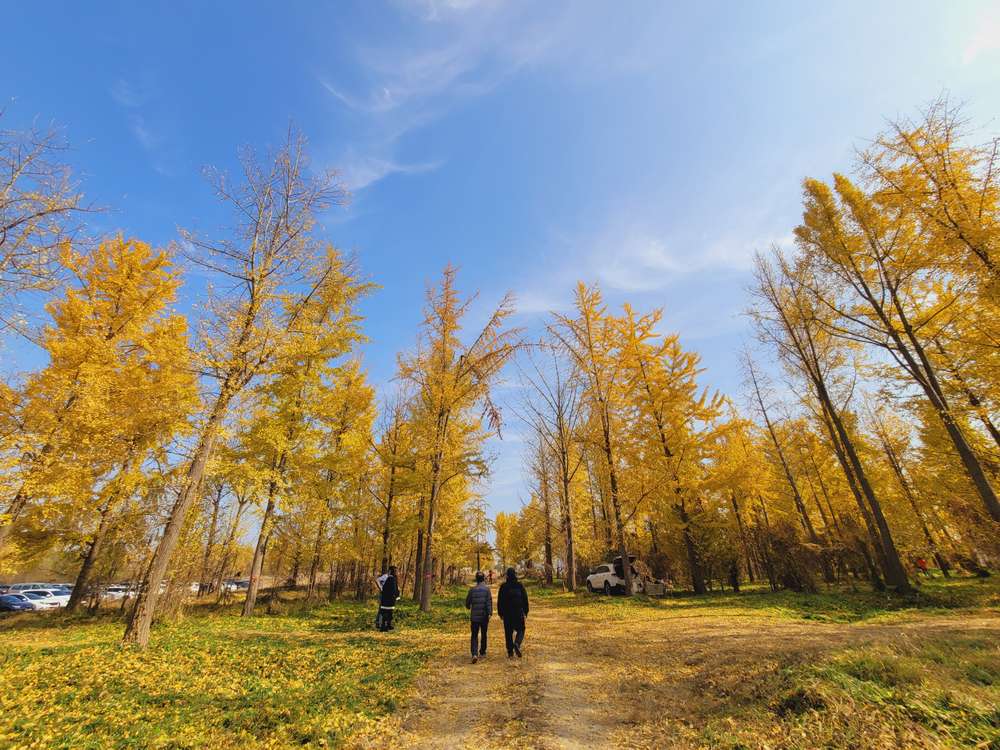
x=935, y=596
x=212, y=680
x=837, y=669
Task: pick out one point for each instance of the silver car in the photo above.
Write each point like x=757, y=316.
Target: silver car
x=42, y=600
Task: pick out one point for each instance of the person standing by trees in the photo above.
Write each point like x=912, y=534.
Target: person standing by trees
x=387, y=600
x=512, y=606
x=479, y=602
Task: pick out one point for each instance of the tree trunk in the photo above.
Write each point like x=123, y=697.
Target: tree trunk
x=569, y=579
x=407, y=568
x=272, y=593
x=418, y=565
x=615, y=502
x=974, y=401
x=314, y=565
x=904, y=484
x=874, y=535
x=547, y=529
x=765, y=544
x=227, y=548
x=203, y=584
x=141, y=619
x=695, y=567
x=257, y=565
x=972, y=465
x=83, y=577
x=744, y=541
x=895, y=573
x=796, y=495
x=427, y=587
x=387, y=519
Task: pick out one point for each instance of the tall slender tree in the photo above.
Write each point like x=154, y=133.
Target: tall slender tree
x=270, y=247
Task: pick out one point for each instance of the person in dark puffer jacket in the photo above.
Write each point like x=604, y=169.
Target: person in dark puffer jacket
x=512, y=606
x=479, y=602
x=387, y=600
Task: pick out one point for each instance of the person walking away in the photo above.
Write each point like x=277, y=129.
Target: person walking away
x=479, y=602
x=512, y=606
x=387, y=600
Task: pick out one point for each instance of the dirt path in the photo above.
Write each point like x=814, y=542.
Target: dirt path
x=545, y=700
x=563, y=695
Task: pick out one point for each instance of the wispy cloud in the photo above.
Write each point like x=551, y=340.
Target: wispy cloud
x=640, y=261
x=986, y=38
x=129, y=95
x=629, y=256
x=358, y=171
x=136, y=98
x=455, y=50
x=533, y=302
x=142, y=132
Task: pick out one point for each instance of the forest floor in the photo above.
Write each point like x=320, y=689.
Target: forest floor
x=752, y=671
x=840, y=669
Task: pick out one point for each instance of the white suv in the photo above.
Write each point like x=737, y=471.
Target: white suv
x=610, y=578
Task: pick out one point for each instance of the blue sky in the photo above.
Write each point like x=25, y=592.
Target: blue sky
x=650, y=147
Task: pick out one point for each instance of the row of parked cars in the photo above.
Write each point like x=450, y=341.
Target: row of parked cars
x=22, y=597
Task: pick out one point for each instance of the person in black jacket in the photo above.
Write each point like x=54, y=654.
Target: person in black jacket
x=512, y=606
x=479, y=602
x=387, y=600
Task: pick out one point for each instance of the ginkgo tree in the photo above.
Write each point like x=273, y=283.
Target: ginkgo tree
x=452, y=377
x=269, y=251
x=590, y=339
x=306, y=386
x=116, y=387
x=673, y=417
x=884, y=293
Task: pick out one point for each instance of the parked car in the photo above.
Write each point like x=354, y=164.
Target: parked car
x=610, y=578
x=18, y=588
x=116, y=592
x=232, y=585
x=42, y=601
x=16, y=603
x=57, y=595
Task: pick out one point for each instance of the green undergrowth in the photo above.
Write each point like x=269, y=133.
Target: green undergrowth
x=837, y=604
